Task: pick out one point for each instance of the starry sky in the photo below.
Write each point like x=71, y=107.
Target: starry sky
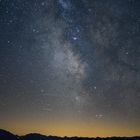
x=70, y=67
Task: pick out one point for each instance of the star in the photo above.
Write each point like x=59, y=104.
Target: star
x=74, y=38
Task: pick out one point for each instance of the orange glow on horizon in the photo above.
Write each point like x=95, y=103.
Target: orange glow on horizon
x=71, y=129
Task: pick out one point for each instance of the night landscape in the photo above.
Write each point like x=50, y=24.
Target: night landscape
x=69, y=69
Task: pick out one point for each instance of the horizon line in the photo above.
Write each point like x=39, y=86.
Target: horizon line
x=30, y=133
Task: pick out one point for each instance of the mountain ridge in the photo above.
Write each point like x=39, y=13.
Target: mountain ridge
x=6, y=135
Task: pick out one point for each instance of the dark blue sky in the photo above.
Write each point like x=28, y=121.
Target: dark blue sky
x=70, y=63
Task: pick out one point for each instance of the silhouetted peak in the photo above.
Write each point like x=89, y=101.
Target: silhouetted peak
x=5, y=135
x=34, y=136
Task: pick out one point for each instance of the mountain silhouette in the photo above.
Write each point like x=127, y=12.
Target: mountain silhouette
x=34, y=136
x=5, y=135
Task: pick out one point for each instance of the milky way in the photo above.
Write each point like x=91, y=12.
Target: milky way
x=70, y=63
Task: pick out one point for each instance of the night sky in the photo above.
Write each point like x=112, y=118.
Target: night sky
x=70, y=67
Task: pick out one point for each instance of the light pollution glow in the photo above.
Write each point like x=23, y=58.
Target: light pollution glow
x=72, y=128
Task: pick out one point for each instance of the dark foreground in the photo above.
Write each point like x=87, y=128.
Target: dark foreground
x=5, y=135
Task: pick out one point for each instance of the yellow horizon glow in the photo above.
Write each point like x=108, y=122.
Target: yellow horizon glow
x=71, y=129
